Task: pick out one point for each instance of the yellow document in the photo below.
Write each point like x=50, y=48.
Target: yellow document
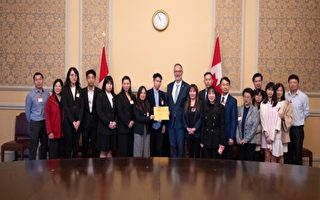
x=161, y=113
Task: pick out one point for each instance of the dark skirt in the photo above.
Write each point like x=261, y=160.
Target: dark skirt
x=107, y=142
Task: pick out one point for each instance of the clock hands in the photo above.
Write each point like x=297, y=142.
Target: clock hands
x=160, y=20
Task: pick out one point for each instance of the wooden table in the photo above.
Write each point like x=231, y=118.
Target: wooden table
x=156, y=178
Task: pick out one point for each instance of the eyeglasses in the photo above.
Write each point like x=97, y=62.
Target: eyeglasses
x=177, y=71
x=74, y=75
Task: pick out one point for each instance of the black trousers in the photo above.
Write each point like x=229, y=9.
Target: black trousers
x=125, y=145
x=89, y=139
x=193, y=145
x=228, y=152
x=56, y=148
x=156, y=139
x=71, y=140
x=295, y=147
x=259, y=156
x=165, y=145
x=210, y=153
x=246, y=152
x=38, y=133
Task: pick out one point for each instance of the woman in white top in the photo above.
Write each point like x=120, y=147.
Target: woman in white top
x=286, y=115
x=271, y=125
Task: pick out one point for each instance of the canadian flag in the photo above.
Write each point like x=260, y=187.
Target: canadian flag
x=216, y=66
x=104, y=71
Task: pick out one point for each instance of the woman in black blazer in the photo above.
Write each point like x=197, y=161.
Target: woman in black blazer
x=212, y=136
x=73, y=111
x=141, y=144
x=192, y=122
x=125, y=102
x=107, y=123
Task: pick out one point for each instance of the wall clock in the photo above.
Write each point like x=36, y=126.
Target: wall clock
x=160, y=20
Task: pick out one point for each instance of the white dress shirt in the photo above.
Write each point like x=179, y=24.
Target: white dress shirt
x=73, y=91
x=176, y=90
x=224, y=100
x=90, y=98
x=300, y=107
x=110, y=97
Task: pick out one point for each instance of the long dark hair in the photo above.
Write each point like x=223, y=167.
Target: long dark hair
x=68, y=82
x=106, y=80
x=271, y=86
x=256, y=93
x=54, y=83
x=212, y=89
x=123, y=79
x=142, y=105
x=278, y=85
x=187, y=105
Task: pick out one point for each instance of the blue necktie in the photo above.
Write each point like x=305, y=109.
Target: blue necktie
x=156, y=125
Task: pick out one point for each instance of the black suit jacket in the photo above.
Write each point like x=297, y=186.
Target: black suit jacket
x=124, y=113
x=196, y=121
x=142, y=120
x=212, y=133
x=106, y=113
x=86, y=110
x=73, y=108
x=202, y=98
x=202, y=95
x=152, y=101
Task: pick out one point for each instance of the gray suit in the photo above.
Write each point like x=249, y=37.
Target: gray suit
x=250, y=126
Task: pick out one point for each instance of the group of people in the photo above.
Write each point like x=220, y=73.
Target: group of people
x=267, y=126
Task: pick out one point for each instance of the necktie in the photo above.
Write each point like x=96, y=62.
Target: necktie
x=156, y=98
x=156, y=125
x=205, y=94
x=222, y=100
x=176, y=93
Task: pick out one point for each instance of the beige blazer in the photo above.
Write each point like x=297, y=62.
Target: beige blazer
x=286, y=121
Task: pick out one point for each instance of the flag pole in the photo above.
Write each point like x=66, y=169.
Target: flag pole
x=104, y=71
x=104, y=38
x=217, y=31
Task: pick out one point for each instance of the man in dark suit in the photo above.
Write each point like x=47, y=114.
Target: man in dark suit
x=156, y=97
x=231, y=116
x=90, y=118
x=207, y=82
x=177, y=93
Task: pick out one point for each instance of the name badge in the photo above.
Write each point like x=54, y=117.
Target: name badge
x=131, y=102
x=239, y=118
x=40, y=99
x=147, y=114
x=78, y=95
x=162, y=102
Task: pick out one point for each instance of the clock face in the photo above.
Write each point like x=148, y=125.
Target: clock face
x=160, y=20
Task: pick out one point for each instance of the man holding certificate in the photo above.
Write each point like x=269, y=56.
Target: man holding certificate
x=157, y=100
x=177, y=92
